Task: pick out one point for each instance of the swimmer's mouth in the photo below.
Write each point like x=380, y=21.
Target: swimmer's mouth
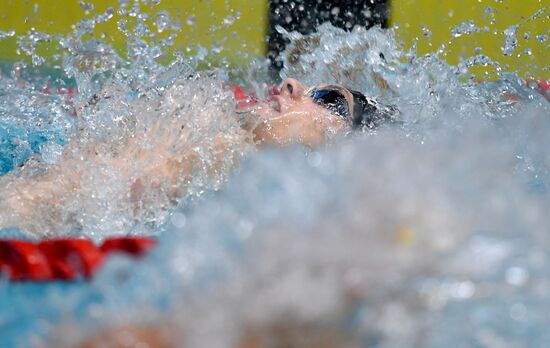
x=273, y=98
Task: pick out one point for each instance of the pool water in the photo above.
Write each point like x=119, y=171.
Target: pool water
x=429, y=231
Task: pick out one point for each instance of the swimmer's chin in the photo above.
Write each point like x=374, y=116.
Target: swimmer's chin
x=268, y=109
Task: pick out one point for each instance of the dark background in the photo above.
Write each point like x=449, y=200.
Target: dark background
x=305, y=15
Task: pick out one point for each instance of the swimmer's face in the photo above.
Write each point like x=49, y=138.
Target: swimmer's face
x=293, y=115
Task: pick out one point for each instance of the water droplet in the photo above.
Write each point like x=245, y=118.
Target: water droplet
x=510, y=42
x=542, y=38
x=162, y=21
x=464, y=28
x=427, y=32
x=463, y=290
x=4, y=34
x=216, y=48
x=517, y=276
x=229, y=20
x=191, y=20
x=179, y=220
x=87, y=7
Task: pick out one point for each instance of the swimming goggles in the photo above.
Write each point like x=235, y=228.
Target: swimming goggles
x=332, y=98
x=357, y=109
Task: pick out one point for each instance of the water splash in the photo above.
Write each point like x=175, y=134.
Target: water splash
x=430, y=231
x=126, y=108
x=511, y=41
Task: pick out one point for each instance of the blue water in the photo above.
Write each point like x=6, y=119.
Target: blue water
x=429, y=232
x=18, y=144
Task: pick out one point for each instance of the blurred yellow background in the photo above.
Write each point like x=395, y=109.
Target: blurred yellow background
x=440, y=16
x=239, y=27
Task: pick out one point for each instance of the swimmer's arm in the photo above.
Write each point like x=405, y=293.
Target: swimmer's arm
x=28, y=202
x=176, y=172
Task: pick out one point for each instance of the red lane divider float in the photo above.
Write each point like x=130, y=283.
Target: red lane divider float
x=23, y=260
x=541, y=86
x=63, y=259
x=69, y=258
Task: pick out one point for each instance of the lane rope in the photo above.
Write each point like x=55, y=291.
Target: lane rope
x=63, y=258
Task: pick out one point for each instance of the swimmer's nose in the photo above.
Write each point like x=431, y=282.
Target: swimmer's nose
x=293, y=88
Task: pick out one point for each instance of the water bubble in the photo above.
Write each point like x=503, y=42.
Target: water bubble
x=462, y=290
x=178, y=219
x=517, y=276
x=315, y=159
x=229, y=20
x=426, y=32
x=122, y=25
x=37, y=59
x=88, y=7
x=104, y=17
x=510, y=41
x=162, y=21
x=542, y=38
x=464, y=28
x=217, y=48
x=4, y=34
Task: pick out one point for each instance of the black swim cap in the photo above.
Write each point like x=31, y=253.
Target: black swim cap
x=369, y=113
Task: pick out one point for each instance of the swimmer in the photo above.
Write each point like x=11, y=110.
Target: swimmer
x=298, y=114
x=50, y=195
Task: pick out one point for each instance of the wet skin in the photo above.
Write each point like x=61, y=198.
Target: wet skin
x=291, y=116
x=287, y=117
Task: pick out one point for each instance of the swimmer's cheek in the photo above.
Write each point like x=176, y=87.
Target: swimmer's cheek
x=287, y=131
